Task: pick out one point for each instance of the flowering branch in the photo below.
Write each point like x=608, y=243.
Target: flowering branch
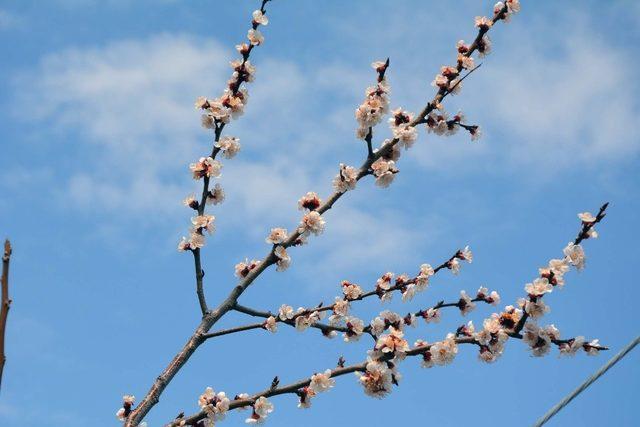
x=5, y=303
x=309, y=387
x=218, y=114
x=380, y=163
x=552, y=275
x=379, y=372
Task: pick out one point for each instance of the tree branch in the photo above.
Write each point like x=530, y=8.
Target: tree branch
x=210, y=317
x=5, y=302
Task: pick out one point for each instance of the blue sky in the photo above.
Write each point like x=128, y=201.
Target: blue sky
x=98, y=128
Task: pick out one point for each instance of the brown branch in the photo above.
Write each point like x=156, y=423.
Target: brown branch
x=5, y=302
x=210, y=317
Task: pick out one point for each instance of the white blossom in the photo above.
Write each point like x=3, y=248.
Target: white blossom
x=255, y=37
x=285, y=312
x=384, y=171
x=206, y=166
x=260, y=18
x=229, y=145
x=346, y=179
x=322, y=382
x=215, y=196
x=261, y=409
x=284, y=260
x=312, y=222
x=277, y=236
x=271, y=324
x=350, y=290
x=575, y=255
x=309, y=201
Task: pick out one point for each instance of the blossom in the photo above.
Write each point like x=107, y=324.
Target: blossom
x=277, y=236
x=467, y=330
x=586, y=218
x=539, y=339
x=534, y=308
x=571, y=347
x=204, y=222
x=260, y=18
x=443, y=352
x=285, y=312
x=255, y=37
x=322, y=382
x=206, y=166
x=195, y=241
x=127, y=404
x=393, y=342
x=261, y=409
x=539, y=287
x=493, y=298
x=376, y=379
x=575, y=255
x=484, y=46
x=431, y=315
x=271, y=324
x=422, y=279
x=409, y=292
x=346, y=179
x=341, y=307
x=284, y=260
x=350, y=290
x=401, y=127
x=229, y=146
x=215, y=196
x=216, y=405
x=384, y=171
x=483, y=22
x=191, y=201
x=305, y=394
x=465, y=61
x=510, y=317
x=355, y=328
x=465, y=255
x=592, y=348
x=309, y=201
x=201, y=103
x=243, y=269
x=312, y=222
x=465, y=303
x=242, y=71
x=373, y=108
x=216, y=112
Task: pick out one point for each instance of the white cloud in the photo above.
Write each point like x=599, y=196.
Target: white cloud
x=127, y=109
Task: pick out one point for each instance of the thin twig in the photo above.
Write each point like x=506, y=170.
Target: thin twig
x=6, y=304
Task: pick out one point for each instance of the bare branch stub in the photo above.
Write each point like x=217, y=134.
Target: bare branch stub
x=5, y=304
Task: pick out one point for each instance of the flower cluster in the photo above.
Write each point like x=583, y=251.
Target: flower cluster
x=261, y=409
x=439, y=353
x=215, y=405
x=217, y=113
x=346, y=179
x=376, y=103
x=378, y=378
x=463, y=255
